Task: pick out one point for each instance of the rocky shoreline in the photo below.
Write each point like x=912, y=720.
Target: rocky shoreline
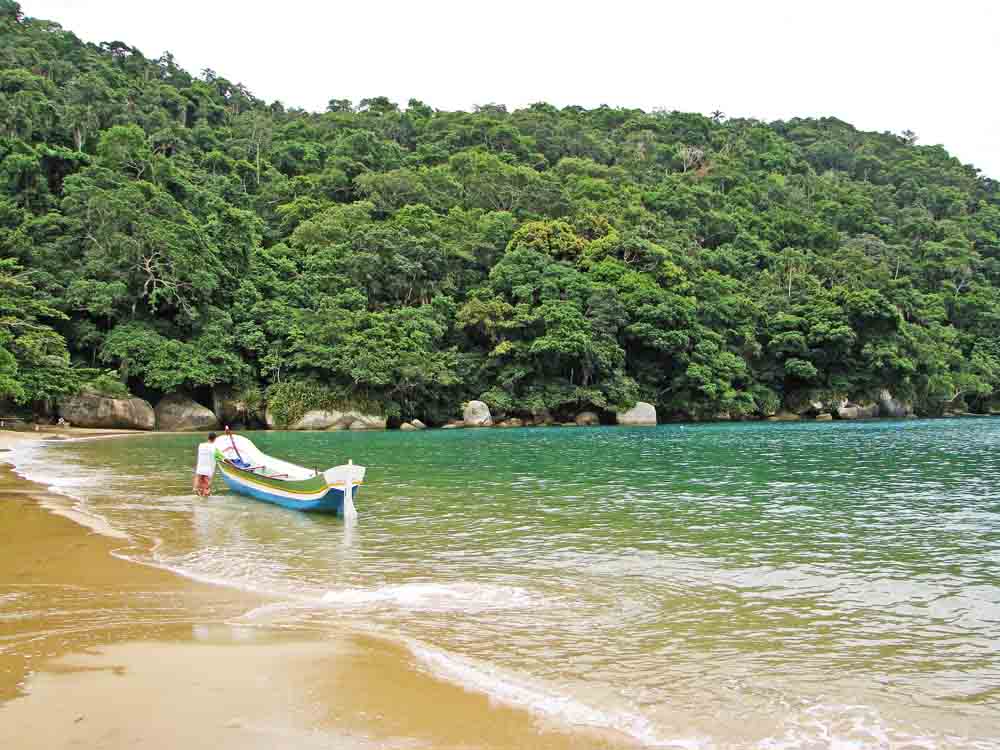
x=177, y=412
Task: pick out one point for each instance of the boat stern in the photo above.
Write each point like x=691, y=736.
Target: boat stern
x=346, y=477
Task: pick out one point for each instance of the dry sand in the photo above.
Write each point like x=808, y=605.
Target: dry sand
x=98, y=652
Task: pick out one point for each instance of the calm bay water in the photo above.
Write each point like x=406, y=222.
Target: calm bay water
x=716, y=586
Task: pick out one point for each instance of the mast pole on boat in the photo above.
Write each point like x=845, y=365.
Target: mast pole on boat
x=233, y=442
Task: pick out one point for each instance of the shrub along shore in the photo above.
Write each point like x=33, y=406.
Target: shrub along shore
x=171, y=239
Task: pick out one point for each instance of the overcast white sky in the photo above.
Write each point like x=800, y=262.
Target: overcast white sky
x=878, y=64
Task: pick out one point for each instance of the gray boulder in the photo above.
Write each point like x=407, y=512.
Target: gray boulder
x=416, y=424
x=808, y=409
x=365, y=421
x=333, y=419
x=177, y=413
x=477, y=414
x=891, y=407
x=642, y=414
x=587, y=419
x=857, y=411
x=512, y=422
x=784, y=416
x=542, y=417
x=88, y=409
x=320, y=419
x=407, y=427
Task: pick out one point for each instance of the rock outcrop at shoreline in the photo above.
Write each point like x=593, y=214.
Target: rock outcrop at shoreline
x=364, y=421
x=477, y=414
x=893, y=408
x=857, y=411
x=178, y=413
x=332, y=419
x=784, y=416
x=88, y=409
x=588, y=419
x=642, y=414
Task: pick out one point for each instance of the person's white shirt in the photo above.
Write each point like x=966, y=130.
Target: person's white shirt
x=206, y=459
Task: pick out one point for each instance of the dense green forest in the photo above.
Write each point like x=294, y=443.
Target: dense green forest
x=162, y=232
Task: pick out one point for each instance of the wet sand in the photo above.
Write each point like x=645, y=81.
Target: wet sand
x=100, y=652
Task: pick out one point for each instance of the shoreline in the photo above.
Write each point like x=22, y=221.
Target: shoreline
x=96, y=650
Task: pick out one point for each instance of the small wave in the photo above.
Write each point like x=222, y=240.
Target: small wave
x=85, y=518
x=520, y=693
x=854, y=727
x=265, y=613
x=29, y=463
x=435, y=596
x=232, y=578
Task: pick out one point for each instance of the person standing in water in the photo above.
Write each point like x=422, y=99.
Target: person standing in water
x=206, y=467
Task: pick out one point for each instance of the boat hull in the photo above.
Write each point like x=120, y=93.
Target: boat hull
x=311, y=496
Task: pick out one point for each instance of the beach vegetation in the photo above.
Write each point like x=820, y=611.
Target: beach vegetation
x=108, y=384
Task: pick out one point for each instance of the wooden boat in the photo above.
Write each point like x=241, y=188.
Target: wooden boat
x=250, y=472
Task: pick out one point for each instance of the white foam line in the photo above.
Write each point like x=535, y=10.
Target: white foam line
x=77, y=513
x=288, y=599
x=518, y=693
x=853, y=727
x=461, y=596
x=201, y=578
x=265, y=611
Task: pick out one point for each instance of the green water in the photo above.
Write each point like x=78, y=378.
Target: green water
x=717, y=586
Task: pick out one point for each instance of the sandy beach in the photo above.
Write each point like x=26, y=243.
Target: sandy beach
x=96, y=651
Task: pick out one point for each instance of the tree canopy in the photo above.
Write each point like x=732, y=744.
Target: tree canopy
x=187, y=235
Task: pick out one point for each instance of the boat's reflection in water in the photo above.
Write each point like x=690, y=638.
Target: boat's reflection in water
x=265, y=548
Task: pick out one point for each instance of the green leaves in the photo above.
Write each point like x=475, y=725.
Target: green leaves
x=136, y=236
x=168, y=364
x=124, y=149
x=801, y=369
x=34, y=362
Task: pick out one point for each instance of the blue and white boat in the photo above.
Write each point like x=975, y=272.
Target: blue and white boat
x=250, y=472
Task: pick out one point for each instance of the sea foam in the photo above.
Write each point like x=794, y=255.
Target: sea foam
x=29, y=463
x=434, y=596
x=520, y=692
x=833, y=726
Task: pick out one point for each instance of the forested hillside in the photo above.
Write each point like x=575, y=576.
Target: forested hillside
x=165, y=232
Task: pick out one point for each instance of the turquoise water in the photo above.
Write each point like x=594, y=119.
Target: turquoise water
x=719, y=586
